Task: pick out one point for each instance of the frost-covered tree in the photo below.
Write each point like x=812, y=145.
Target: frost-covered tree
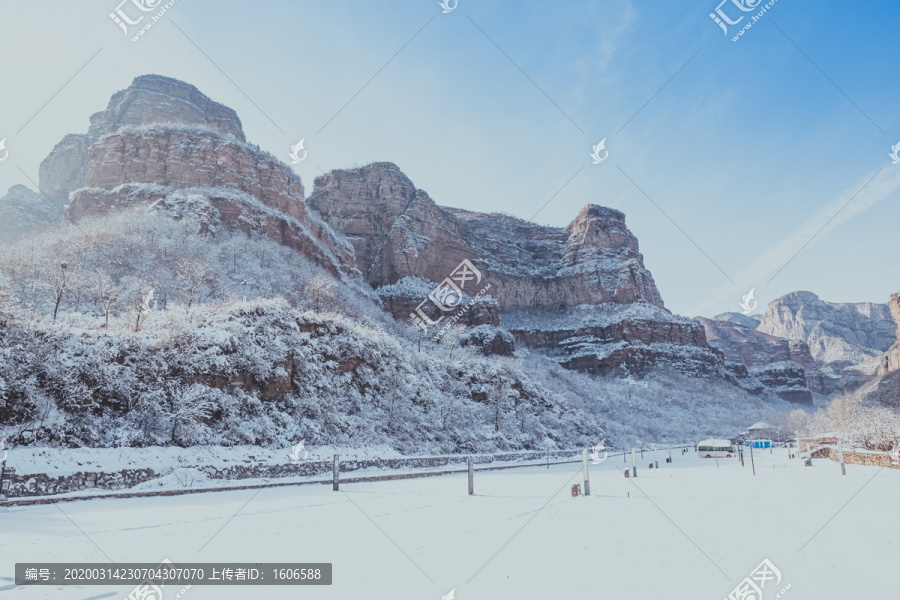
x=106, y=294
x=321, y=290
x=194, y=274
x=57, y=277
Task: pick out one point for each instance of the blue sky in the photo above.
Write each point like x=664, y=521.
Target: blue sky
x=746, y=150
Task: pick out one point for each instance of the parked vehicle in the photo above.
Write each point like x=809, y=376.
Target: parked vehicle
x=715, y=449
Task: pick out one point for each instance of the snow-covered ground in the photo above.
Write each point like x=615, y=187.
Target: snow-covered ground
x=687, y=530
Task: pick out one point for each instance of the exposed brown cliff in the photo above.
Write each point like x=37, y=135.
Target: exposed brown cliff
x=149, y=99
x=399, y=231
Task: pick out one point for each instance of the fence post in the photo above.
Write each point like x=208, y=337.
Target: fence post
x=633, y=464
x=752, y=464
x=471, y=477
x=656, y=458
x=841, y=455
x=336, y=473
x=587, y=473
x=3, y=498
x=670, y=453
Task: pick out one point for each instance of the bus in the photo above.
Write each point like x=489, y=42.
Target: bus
x=715, y=449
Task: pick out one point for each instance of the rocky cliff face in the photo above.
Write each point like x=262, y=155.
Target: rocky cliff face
x=617, y=339
x=150, y=99
x=785, y=367
x=580, y=293
x=162, y=143
x=838, y=334
x=398, y=231
x=891, y=361
x=837, y=346
x=22, y=210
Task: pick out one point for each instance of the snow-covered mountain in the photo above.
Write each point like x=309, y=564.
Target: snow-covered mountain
x=802, y=342
x=838, y=334
x=194, y=295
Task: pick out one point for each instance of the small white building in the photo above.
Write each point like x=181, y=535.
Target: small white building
x=760, y=430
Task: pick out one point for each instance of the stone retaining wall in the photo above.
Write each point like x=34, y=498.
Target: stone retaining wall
x=41, y=484
x=870, y=459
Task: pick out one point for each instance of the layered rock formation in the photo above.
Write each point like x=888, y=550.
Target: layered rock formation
x=580, y=293
x=838, y=334
x=832, y=346
x=150, y=99
x=22, y=210
x=625, y=341
x=398, y=231
x=162, y=143
x=783, y=366
x=891, y=360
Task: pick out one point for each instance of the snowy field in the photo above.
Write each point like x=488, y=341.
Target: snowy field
x=688, y=530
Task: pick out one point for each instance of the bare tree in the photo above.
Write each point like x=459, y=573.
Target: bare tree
x=451, y=337
x=322, y=291
x=58, y=278
x=194, y=273
x=105, y=293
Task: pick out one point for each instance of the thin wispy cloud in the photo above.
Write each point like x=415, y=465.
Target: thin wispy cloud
x=854, y=201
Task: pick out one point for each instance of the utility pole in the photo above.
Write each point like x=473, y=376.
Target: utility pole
x=633, y=464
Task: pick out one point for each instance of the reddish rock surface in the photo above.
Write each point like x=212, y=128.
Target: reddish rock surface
x=249, y=190
x=399, y=231
x=149, y=99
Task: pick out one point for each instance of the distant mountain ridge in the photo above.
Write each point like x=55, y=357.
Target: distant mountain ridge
x=835, y=346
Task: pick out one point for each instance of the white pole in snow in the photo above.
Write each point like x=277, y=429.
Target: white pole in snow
x=633, y=464
x=471, y=477
x=587, y=473
x=656, y=459
x=841, y=454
